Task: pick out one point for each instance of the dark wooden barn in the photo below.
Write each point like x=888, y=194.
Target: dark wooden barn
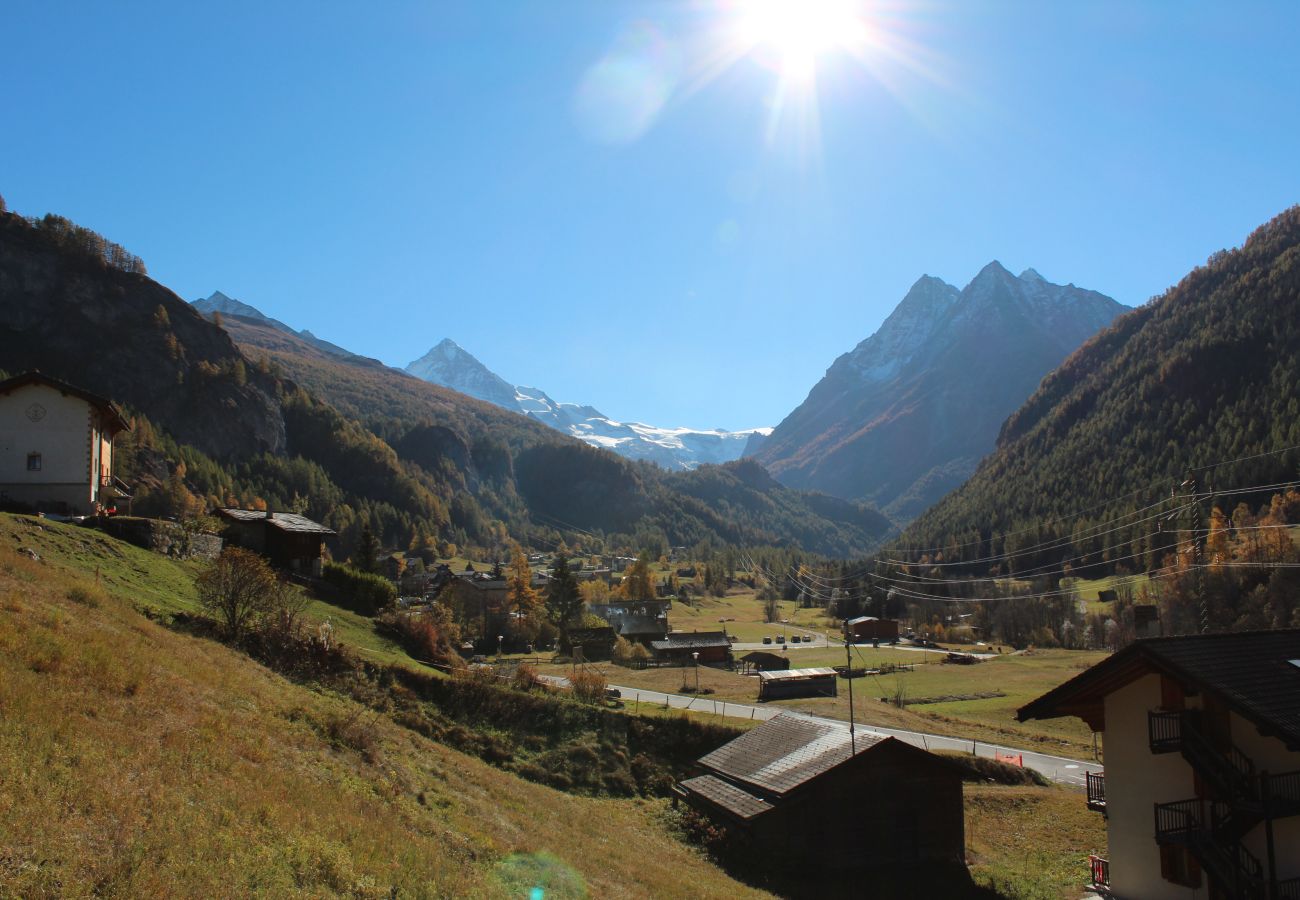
x=792, y=796
x=869, y=628
x=680, y=647
x=792, y=683
x=288, y=540
x=763, y=661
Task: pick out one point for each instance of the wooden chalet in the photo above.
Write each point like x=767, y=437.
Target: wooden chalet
x=802, y=798
x=288, y=540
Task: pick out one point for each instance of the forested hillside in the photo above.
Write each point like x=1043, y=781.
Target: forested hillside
x=1191, y=400
x=349, y=442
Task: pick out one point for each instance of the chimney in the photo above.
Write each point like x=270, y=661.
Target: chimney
x=270, y=512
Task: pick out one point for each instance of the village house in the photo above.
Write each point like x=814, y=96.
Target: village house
x=288, y=540
x=56, y=447
x=684, y=648
x=802, y=796
x=641, y=621
x=1201, y=788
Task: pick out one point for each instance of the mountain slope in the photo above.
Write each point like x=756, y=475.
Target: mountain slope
x=143, y=761
x=449, y=365
x=906, y=415
x=228, y=306
x=1205, y=373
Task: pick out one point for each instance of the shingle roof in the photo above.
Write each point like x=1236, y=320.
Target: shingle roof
x=641, y=625
x=282, y=521
x=731, y=798
x=1252, y=671
x=786, y=751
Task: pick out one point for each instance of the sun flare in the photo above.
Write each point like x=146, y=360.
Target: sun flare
x=792, y=34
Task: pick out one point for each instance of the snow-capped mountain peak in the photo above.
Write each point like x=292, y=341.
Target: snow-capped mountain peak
x=451, y=366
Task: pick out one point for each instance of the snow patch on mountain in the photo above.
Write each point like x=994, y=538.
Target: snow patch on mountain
x=451, y=366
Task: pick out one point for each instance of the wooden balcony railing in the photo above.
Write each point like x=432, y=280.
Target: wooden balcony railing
x=1096, y=791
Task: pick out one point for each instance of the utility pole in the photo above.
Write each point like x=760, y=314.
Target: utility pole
x=848, y=675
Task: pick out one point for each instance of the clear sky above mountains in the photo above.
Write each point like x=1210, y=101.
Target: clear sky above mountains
x=612, y=202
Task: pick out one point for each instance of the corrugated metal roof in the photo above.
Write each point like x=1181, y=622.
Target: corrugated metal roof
x=684, y=639
x=786, y=751
x=1250, y=670
x=861, y=619
x=283, y=521
x=728, y=796
x=787, y=674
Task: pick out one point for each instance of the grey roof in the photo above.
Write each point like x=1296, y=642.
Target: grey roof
x=1257, y=673
x=861, y=619
x=641, y=624
x=796, y=674
x=786, y=751
x=679, y=640
x=731, y=798
x=282, y=521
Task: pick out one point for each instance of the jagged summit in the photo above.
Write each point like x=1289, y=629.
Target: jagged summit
x=219, y=302
x=905, y=416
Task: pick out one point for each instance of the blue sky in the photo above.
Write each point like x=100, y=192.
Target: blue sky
x=557, y=187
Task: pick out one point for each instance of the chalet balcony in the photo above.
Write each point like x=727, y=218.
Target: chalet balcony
x=1197, y=825
x=1226, y=767
x=1097, y=791
x=1165, y=731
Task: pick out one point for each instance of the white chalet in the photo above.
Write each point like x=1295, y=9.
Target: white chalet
x=56, y=446
x=1202, y=785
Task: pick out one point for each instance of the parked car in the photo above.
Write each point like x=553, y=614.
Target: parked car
x=767, y=639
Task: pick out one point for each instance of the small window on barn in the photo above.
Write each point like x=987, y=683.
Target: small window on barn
x=33, y=462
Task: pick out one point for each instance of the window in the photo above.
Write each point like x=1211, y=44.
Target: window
x=33, y=462
x=1177, y=865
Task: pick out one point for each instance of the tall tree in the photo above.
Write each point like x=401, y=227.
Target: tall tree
x=563, y=599
x=367, y=558
x=638, y=583
x=519, y=582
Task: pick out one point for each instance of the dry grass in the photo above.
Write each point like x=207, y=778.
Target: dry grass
x=1031, y=843
x=143, y=762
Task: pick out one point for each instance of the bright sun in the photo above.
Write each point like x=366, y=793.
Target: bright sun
x=792, y=34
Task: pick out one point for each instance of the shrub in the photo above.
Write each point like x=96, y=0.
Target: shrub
x=241, y=591
x=526, y=678
x=588, y=685
x=85, y=596
x=366, y=593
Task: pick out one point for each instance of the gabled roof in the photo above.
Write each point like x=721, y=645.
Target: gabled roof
x=641, y=624
x=113, y=417
x=797, y=674
x=283, y=521
x=786, y=751
x=1256, y=673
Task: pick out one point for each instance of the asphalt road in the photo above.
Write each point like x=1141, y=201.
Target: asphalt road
x=1058, y=768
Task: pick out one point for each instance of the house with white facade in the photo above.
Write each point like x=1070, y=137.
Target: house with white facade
x=56, y=446
x=1201, y=789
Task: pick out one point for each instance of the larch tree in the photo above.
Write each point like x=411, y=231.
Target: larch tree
x=519, y=582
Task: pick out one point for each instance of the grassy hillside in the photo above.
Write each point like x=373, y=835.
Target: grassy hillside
x=145, y=762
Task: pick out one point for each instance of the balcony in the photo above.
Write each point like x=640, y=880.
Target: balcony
x=1185, y=823
x=1097, y=791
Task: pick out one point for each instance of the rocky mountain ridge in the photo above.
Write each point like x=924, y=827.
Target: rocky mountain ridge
x=907, y=414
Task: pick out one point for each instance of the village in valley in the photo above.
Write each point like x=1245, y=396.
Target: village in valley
x=876, y=723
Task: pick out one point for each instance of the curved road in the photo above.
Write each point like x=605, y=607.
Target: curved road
x=1058, y=768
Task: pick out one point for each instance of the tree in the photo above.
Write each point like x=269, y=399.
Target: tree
x=563, y=599
x=241, y=591
x=367, y=558
x=594, y=592
x=519, y=583
x=638, y=583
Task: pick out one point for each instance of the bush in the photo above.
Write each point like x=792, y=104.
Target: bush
x=241, y=591
x=588, y=685
x=363, y=592
x=526, y=678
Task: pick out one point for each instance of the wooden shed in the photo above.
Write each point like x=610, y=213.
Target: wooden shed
x=804, y=799
x=763, y=661
x=784, y=685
